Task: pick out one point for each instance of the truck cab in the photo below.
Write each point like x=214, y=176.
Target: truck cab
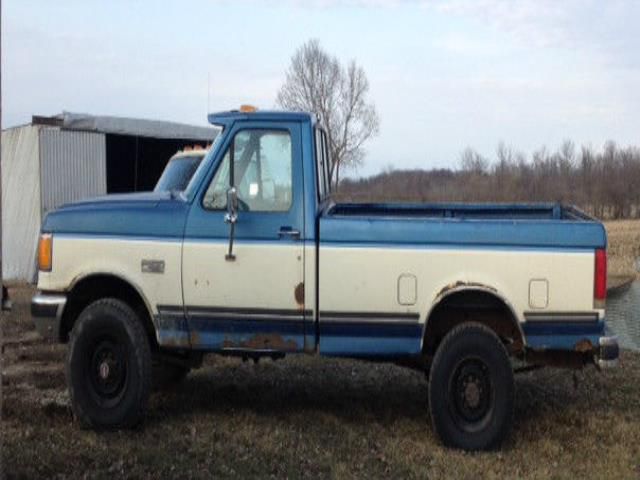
x=255, y=259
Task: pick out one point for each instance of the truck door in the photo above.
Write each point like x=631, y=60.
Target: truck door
x=253, y=299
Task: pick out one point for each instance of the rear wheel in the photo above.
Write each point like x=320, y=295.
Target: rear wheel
x=471, y=389
x=109, y=366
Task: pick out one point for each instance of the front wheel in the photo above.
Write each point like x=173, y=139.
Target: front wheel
x=471, y=389
x=109, y=366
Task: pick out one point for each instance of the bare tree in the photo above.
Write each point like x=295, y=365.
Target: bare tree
x=317, y=82
x=471, y=161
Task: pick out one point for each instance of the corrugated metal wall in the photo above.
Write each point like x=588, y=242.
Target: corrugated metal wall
x=20, y=202
x=72, y=166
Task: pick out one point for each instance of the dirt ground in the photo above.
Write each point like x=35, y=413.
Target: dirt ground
x=308, y=417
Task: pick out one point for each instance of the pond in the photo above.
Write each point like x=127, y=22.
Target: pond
x=623, y=316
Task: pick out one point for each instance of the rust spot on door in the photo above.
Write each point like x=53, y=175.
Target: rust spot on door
x=298, y=293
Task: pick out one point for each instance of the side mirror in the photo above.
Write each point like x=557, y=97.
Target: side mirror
x=231, y=217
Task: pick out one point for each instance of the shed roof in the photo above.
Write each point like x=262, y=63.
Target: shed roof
x=128, y=126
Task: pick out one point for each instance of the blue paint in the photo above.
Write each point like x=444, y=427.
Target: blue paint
x=228, y=119
x=450, y=246
x=346, y=346
x=549, y=211
x=309, y=169
x=210, y=225
x=371, y=329
x=120, y=237
x=561, y=335
x=452, y=231
x=370, y=339
x=217, y=334
x=148, y=215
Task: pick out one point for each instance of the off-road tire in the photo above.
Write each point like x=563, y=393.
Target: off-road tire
x=471, y=389
x=108, y=366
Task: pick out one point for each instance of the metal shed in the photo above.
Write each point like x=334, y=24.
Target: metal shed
x=68, y=157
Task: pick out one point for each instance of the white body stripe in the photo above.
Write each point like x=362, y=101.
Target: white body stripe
x=310, y=290
x=78, y=257
x=365, y=279
x=262, y=275
x=352, y=279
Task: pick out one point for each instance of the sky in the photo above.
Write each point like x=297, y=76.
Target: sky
x=444, y=75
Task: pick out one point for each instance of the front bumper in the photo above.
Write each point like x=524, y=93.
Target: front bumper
x=607, y=352
x=46, y=311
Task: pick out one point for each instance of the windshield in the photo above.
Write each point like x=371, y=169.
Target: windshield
x=204, y=165
x=178, y=173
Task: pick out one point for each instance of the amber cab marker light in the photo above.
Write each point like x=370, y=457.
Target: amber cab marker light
x=45, y=252
x=248, y=109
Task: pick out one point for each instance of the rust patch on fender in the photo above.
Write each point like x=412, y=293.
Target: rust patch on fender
x=171, y=341
x=459, y=283
x=195, y=338
x=298, y=294
x=263, y=341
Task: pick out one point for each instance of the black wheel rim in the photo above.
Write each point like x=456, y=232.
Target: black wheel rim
x=471, y=394
x=106, y=370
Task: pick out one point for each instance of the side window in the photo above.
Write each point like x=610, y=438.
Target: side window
x=320, y=159
x=327, y=163
x=323, y=161
x=262, y=172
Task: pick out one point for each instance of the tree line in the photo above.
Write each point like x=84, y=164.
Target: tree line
x=605, y=183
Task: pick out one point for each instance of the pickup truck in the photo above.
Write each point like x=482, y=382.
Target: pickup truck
x=254, y=259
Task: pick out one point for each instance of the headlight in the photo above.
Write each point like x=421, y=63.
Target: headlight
x=45, y=252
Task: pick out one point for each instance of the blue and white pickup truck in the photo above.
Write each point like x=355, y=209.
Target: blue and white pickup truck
x=254, y=259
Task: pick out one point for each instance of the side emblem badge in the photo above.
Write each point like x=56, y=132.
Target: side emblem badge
x=152, y=266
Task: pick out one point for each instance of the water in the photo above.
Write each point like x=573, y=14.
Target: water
x=623, y=316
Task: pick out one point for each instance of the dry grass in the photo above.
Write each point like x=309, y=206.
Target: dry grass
x=309, y=417
x=623, y=250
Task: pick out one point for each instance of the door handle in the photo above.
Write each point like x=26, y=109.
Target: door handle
x=288, y=232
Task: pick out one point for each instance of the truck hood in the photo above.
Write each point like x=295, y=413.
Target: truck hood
x=146, y=214
x=119, y=198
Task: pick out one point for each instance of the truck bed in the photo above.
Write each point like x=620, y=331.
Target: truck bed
x=525, y=211
x=548, y=225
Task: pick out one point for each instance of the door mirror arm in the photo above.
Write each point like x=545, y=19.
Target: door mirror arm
x=231, y=217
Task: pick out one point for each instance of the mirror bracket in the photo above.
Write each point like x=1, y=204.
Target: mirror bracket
x=231, y=217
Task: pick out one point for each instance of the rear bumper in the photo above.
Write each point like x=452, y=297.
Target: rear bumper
x=46, y=311
x=561, y=338
x=607, y=352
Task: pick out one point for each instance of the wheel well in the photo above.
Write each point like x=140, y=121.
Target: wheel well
x=92, y=288
x=472, y=305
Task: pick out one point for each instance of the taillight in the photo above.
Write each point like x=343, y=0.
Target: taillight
x=600, y=279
